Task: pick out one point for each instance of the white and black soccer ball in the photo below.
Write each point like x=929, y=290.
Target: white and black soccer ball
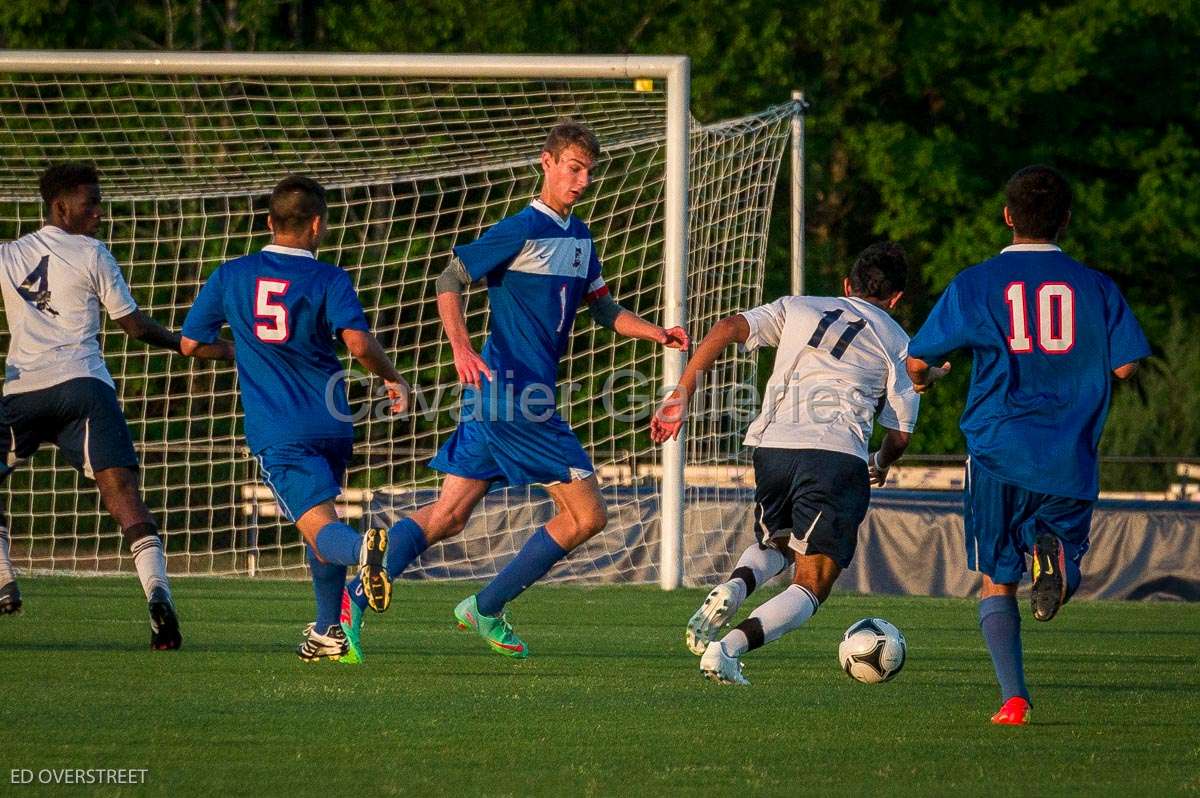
x=872, y=651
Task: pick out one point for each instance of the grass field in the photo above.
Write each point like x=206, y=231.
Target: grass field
x=610, y=703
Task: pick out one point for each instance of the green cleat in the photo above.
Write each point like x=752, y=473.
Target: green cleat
x=496, y=631
x=352, y=624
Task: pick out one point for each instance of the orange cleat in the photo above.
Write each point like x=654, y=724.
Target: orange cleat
x=1015, y=712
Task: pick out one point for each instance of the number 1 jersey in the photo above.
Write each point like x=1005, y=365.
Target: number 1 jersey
x=54, y=284
x=840, y=362
x=1045, y=333
x=284, y=308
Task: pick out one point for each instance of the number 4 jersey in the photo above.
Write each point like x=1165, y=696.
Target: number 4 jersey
x=284, y=308
x=840, y=362
x=54, y=284
x=1045, y=333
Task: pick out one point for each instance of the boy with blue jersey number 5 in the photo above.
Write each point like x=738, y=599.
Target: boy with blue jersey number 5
x=539, y=266
x=1046, y=334
x=286, y=309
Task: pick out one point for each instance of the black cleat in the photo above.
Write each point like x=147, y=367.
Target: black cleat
x=164, y=624
x=316, y=646
x=1049, y=577
x=377, y=584
x=10, y=599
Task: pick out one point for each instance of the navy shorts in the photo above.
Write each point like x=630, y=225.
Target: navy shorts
x=513, y=452
x=1003, y=522
x=304, y=474
x=82, y=417
x=813, y=499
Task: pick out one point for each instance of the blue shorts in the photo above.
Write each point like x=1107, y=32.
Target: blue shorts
x=1003, y=522
x=511, y=453
x=81, y=416
x=304, y=474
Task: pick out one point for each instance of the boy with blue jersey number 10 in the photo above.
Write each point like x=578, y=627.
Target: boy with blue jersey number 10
x=1045, y=333
x=286, y=309
x=539, y=266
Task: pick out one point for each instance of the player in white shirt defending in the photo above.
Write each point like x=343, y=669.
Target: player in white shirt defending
x=56, y=386
x=840, y=361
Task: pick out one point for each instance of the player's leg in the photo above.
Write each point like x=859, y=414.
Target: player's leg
x=581, y=515
x=773, y=469
x=992, y=513
x=788, y=610
x=21, y=434
x=408, y=538
x=1058, y=531
x=10, y=594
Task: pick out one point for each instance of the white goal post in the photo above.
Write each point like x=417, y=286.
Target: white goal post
x=183, y=139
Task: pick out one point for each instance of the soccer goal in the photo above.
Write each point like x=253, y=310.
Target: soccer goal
x=418, y=153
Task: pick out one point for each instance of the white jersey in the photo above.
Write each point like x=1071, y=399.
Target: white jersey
x=840, y=362
x=54, y=284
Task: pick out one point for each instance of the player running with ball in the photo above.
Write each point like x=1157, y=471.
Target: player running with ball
x=539, y=266
x=1047, y=334
x=840, y=361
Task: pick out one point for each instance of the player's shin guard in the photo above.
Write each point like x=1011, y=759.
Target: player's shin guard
x=757, y=564
x=1000, y=622
x=533, y=561
x=338, y=543
x=789, y=610
x=149, y=559
x=328, y=581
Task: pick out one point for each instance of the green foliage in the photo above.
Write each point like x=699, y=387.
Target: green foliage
x=920, y=112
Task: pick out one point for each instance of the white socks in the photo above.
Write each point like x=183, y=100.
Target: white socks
x=6, y=570
x=757, y=565
x=787, y=611
x=151, y=564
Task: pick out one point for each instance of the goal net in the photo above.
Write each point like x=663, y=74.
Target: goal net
x=413, y=167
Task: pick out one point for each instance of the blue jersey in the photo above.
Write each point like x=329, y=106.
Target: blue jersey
x=284, y=308
x=1045, y=333
x=539, y=268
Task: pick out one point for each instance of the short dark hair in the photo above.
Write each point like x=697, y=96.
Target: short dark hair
x=879, y=271
x=60, y=178
x=1039, y=200
x=567, y=133
x=295, y=201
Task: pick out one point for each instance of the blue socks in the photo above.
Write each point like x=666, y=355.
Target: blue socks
x=533, y=561
x=406, y=542
x=328, y=580
x=1000, y=622
x=339, y=543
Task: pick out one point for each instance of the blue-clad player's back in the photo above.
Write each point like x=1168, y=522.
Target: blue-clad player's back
x=284, y=308
x=1046, y=333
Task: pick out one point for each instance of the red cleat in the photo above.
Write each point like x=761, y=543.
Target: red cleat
x=1015, y=712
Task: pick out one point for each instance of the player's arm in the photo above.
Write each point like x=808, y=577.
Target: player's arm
x=669, y=419
x=1126, y=371
x=606, y=312
x=451, y=284
x=368, y=353
x=140, y=327
x=923, y=375
x=890, y=450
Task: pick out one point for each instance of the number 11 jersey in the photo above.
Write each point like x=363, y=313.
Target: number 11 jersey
x=54, y=284
x=840, y=362
x=284, y=308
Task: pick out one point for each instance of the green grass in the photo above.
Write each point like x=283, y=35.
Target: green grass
x=610, y=703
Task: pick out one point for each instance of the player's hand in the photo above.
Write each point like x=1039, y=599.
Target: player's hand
x=398, y=396
x=934, y=374
x=674, y=338
x=668, y=420
x=470, y=366
x=877, y=475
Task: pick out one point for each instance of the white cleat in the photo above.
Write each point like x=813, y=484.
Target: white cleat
x=719, y=667
x=722, y=604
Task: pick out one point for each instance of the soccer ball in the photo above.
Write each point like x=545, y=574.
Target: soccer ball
x=872, y=651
